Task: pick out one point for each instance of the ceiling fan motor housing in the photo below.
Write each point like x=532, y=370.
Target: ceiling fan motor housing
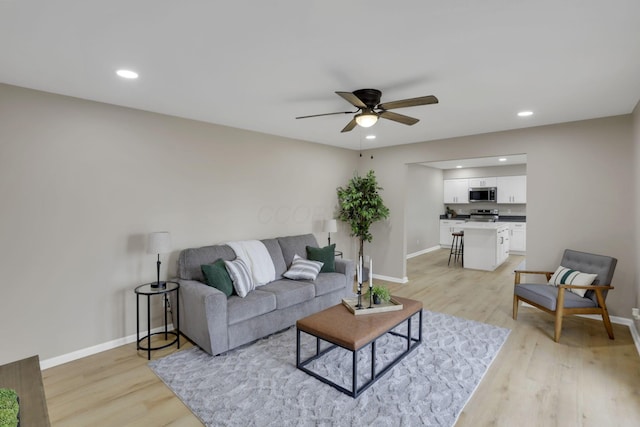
x=370, y=97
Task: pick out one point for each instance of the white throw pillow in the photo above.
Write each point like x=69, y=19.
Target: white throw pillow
x=566, y=276
x=303, y=269
x=240, y=276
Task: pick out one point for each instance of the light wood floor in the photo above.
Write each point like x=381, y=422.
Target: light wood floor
x=585, y=380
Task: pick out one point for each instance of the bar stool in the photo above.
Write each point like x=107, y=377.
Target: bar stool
x=457, y=247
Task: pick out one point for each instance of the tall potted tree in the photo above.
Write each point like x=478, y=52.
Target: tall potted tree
x=360, y=206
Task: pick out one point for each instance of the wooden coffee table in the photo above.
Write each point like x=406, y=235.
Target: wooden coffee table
x=338, y=326
x=25, y=378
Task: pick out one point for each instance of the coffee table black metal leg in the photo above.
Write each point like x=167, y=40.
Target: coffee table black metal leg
x=373, y=360
x=354, y=386
x=297, y=347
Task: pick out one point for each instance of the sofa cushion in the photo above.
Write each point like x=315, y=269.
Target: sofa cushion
x=290, y=292
x=329, y=282
x=190, y=260
x=292, y=245
x=303, y=269
x=326, y=255
x=254, y=304
x=273, y=246
x=240, y=276
x=216, y=275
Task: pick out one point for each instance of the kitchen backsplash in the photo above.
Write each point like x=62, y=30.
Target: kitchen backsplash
x=505, y=209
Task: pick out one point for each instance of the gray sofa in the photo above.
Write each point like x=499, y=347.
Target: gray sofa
x=217, y=323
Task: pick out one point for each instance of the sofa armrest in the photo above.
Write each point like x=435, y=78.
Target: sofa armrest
x=348, y=268
x=203, y=316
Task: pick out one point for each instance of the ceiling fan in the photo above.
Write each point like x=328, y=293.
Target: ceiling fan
x=370, y=109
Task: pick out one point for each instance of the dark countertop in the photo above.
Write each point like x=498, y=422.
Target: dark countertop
x=512, y=218
x=501, y=218
x=459, y=217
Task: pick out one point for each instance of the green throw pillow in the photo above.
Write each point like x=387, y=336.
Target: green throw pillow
x=326, y=255
x=217, y=276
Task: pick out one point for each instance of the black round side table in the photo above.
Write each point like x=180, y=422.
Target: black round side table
x=149, y=291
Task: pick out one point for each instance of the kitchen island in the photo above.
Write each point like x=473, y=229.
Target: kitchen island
x=486, y=245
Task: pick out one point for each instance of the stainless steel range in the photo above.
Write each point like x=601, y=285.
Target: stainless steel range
x=483, y=215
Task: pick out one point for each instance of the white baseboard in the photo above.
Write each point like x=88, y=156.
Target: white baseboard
x=422, y=252
x=391, y=279
x=79, y=354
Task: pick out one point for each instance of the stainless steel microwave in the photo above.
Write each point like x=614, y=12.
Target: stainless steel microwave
x=483, y=194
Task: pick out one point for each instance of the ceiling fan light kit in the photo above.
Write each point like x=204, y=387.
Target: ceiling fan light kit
x=366, y=119
x=370, y=109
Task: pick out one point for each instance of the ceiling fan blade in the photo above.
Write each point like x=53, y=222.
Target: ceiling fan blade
x=327, y=114
x=400, y=118
x=352, y=99
x=350, y=126
x=412, y=102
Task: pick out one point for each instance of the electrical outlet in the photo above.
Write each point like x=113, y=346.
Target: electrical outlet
x=635, y=312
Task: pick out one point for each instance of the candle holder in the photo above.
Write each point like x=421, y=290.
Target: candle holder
x=359, y=305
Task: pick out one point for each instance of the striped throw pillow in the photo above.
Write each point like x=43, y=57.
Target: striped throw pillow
x=240, y=276
x=567, y=276
x=303, y=269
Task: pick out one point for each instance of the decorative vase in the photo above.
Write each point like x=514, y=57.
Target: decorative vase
x=376, y=299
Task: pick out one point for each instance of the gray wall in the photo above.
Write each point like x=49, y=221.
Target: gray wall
x=82, y=183
x=423, y=207
x=580, y=194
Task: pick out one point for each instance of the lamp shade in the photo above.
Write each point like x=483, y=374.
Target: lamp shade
x=366, y=119
x=330, y=226
x=159, y=242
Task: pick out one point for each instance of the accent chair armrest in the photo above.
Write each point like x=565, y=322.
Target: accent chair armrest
x=548, y=274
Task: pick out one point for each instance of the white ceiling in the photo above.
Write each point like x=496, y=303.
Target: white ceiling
x=258, y=64
x=481, y=162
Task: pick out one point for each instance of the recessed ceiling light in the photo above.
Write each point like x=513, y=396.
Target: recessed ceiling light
x=458, y=167
x=127, y=74
x=525, y=113
x=370, y=137
x=502, y=159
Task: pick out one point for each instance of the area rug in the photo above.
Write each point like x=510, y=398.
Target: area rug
x=259, y=384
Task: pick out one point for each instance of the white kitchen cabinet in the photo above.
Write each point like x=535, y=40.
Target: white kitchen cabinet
x=456, y=191
x=483, y=182
x=503, y=245
x=512, y=189
x=517, y=236
x=448, y=226
x=486, y=245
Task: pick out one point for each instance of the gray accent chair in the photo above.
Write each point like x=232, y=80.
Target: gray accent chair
x=218, y=324
x=558, y=301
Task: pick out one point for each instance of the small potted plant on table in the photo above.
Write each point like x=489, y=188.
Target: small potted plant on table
x=380, y=294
